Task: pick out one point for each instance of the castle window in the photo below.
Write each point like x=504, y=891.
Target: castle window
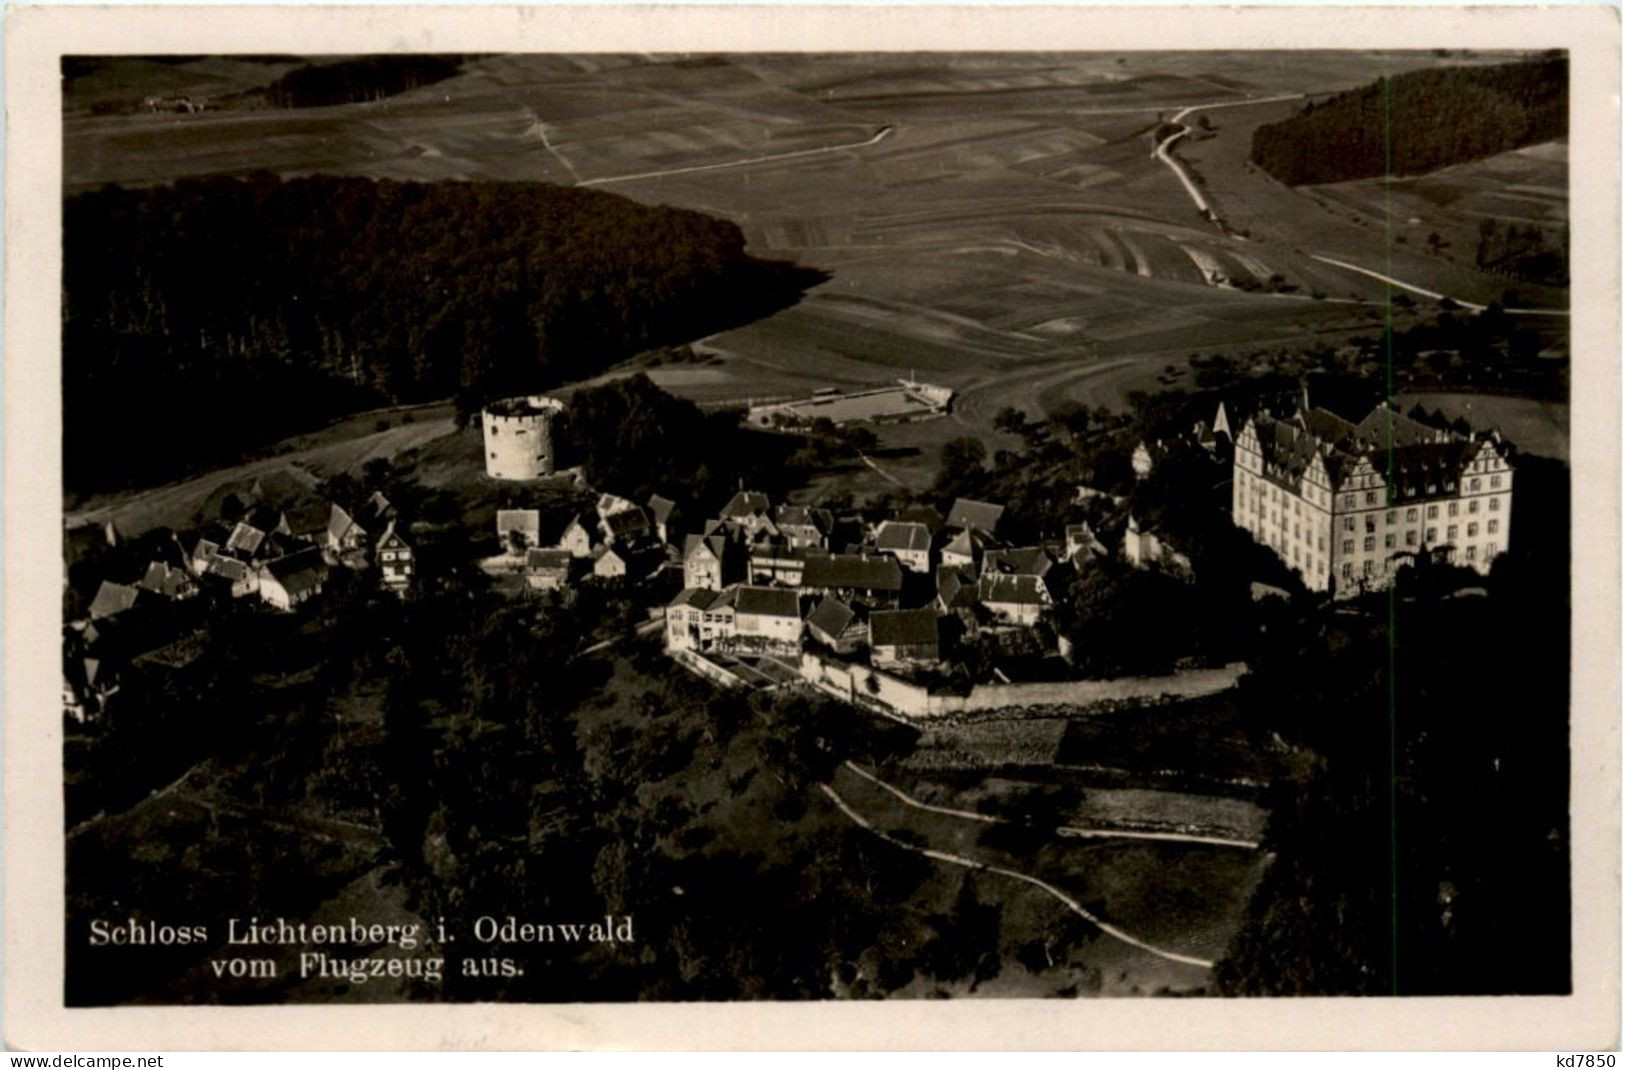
x=1348, y=523
x=1410, y=538
x=1474, y=485
x=1369, y=568
x=1432, y=536
x=1348, y=501
x=1495, y=481
x=1491, y=549
x=1392, y=516
x=1348, y=570
x=1455, y=507
x=1320, y=543
x=1433, y=512
x=1410, y=514
x=1370, y=524
x=1370, y=543
x=1371, y=497
x=1472, y=553
x=1472, y=530
x=1348, y=546
x=1495, y=505
x=1493, y=527
x=1450, y=533
x=1472, y=506
x=1387, y=542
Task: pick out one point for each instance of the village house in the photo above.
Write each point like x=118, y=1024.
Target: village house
x=548, y=569
x=698, y=618
x=608, y=563
x=396, y=564
x=709, y=561
x=1081, y=541
x=88, y=685
x=1014, y=598
x=838, y=626
x=170, y=581
x=114, y=598
x=776, y=562
x=579, y=537
x=621, y=521
x=666, y=517
x=910, y=543
x=1145, y=457
x=1018, y=561
x=1145, y=549
x=964, y=549
x=291, y=581
x=238, y=577
x=307, y=520
x=767, y=619
x=804, y=528
x=245, y=542
x=967, y=514
x=876, y=581
x=748, y=513
x=899, y=637
x=518, y=530
x=957, y=591
x=922, y=514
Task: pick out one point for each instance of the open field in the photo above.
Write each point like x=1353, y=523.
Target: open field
x=994, y=223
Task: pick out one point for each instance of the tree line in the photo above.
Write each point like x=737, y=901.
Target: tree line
x=1418, y=122
x=215, y=315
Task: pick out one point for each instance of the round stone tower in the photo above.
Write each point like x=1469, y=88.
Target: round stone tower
x=519, y=437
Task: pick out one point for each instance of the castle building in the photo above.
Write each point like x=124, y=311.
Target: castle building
x=1348, y=504
x=519, y=437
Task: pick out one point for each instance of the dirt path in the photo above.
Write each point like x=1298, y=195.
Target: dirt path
x=1399, y=284
x=1067, y=831
x=883, y=133
x=1164, y=147
x=971, y=863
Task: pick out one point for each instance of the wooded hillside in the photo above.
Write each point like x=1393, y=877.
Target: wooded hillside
x=1418, y=122
x=214, y=315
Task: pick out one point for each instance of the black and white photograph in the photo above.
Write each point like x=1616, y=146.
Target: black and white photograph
x=708, y=526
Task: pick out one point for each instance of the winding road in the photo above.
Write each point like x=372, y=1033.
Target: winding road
x=1161, y=152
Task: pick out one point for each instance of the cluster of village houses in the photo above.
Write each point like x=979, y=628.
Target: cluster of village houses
x=765, y=577
x=273, y=539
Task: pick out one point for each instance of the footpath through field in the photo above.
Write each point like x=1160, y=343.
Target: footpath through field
x=879, y=136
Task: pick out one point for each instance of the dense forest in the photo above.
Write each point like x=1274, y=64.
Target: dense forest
x=1418, y=122
x=351, y=81
x=216, y=315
